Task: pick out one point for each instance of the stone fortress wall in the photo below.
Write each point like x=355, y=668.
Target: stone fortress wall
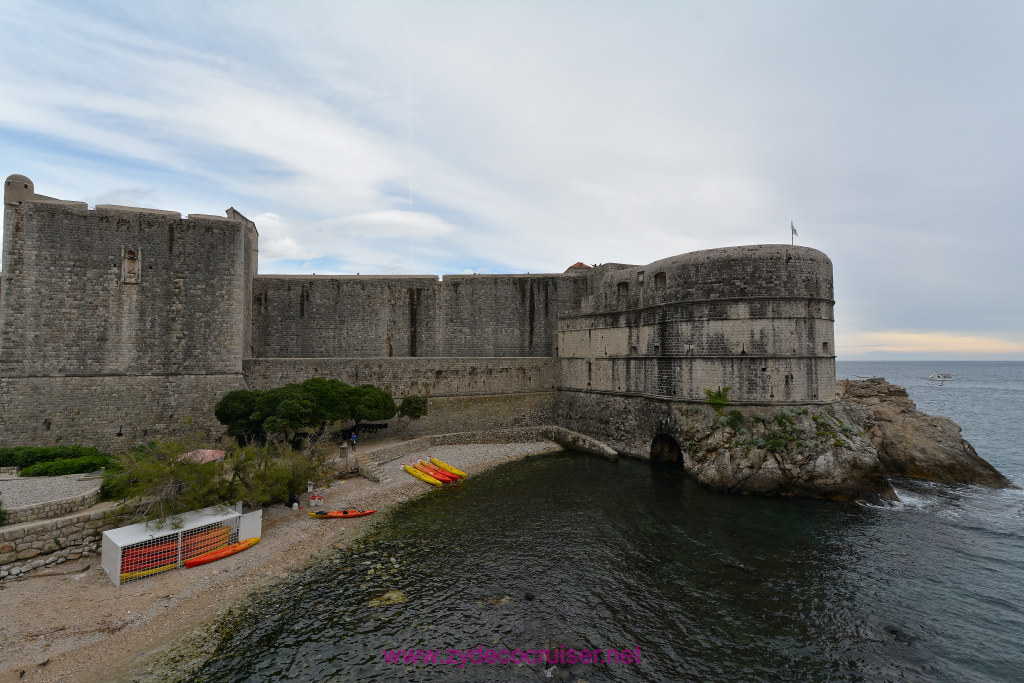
x=119, y=325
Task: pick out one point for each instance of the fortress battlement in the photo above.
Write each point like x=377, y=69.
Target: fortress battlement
x=120, y=324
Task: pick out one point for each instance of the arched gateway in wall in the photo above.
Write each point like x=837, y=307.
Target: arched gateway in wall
x=665, y=452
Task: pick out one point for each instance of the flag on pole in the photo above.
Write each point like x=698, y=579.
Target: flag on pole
x=792, y=233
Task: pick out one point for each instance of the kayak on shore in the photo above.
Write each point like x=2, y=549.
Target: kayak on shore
x=222, y=553
x=334, y=514
x=421, y=476
x=445, y=466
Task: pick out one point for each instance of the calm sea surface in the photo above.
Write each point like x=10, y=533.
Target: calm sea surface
x=573, y=551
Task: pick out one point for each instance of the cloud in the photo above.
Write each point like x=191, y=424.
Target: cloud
x=277, y=239
x=512, y=137
x=145, y=197
x=388, y=224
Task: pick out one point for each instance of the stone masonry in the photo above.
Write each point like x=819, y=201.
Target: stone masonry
x=119, y=325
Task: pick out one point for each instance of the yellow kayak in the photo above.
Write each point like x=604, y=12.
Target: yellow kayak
x=446, y=466
x=422, y=477
x=156, y=570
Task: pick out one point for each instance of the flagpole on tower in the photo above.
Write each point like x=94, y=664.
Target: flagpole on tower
x=792, y=233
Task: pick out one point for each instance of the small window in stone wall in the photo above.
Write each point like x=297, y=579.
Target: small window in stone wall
x=623, y=288
x=131, y=265
x=659, y=280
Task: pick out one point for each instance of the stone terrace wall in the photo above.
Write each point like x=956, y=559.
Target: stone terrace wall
x=36, y=544
x=52, y=508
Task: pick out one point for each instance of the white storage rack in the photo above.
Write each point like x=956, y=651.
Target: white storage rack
x=134, y=552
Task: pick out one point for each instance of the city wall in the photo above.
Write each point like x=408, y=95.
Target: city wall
x=121, y=325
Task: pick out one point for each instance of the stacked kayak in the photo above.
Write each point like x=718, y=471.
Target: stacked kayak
x=435, y=472
x=334, y=514
x=143, y=560
x=222, y=552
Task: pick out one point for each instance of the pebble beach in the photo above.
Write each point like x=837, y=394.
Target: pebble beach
x=72, y=623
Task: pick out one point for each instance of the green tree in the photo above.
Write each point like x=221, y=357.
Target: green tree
x=237, y=411
x=413, y=407
x=293, y=408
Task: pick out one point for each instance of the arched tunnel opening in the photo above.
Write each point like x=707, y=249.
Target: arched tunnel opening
x=666, y=453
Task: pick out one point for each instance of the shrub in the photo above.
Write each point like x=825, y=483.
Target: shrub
x=3, y=514
x=718, y=398
x=735, y=420
x=86, y=463
x=261, y=475
x=775, y=441
x=25, y=456
x=152, y=483
x=413, y=407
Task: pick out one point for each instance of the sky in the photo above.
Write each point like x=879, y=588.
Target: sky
x=507, y=137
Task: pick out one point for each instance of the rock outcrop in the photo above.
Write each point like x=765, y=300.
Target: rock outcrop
x=842, y=451
x=811, y=452
x=910, y=443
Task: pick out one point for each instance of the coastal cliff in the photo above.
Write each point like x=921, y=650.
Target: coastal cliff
x=843, y=451
x=910, y=443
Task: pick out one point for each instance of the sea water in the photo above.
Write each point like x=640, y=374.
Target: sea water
x=573, y=553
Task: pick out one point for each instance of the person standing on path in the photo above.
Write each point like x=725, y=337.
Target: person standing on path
x=353, y=442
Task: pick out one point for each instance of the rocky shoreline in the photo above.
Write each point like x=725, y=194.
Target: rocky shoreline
x=74, y=624
x=842, y=451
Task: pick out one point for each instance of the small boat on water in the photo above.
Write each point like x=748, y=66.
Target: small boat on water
x=942, y=377
x=334, y=514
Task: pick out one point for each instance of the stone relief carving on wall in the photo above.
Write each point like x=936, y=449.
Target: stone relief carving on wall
x=131, y=265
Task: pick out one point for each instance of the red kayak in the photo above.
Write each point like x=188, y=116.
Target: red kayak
x=223, y=552
x=444, y=478
x=340, y=513
x=193, y=542
x=435, y=471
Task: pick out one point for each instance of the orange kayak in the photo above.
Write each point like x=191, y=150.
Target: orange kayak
x=191, y=542
x=222, y=553
x=340, y=513
x=443, y=478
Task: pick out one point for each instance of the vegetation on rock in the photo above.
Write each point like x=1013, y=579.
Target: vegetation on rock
x=718, y=398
